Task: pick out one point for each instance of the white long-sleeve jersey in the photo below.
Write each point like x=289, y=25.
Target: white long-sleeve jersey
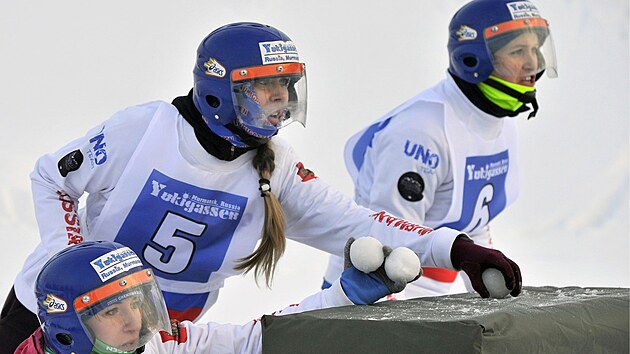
x=152, y=187
x=437, y=160
x=187, y=337
x=227, y=338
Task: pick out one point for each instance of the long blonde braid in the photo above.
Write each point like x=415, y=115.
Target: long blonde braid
x=273, y=242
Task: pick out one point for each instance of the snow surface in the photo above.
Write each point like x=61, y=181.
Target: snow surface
x=67, y=66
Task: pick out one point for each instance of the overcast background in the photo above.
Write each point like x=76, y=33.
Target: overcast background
x=65, y=66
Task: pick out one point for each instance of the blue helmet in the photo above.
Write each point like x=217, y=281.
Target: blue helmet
x=233, y=62
x=80, y=283
x=481, y=27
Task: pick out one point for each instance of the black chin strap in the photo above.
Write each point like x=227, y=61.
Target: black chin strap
x=527, y=97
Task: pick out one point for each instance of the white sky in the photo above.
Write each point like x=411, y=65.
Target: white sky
x=66, y=66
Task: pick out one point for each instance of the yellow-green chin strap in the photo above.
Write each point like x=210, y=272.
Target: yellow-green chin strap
x=508, y=95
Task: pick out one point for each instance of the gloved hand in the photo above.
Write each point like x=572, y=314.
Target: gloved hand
x=474, y=259
x=366, y=288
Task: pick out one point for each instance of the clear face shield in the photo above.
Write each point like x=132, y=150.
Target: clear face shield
x=269, y=97
x=521, y=49
x=124, y=314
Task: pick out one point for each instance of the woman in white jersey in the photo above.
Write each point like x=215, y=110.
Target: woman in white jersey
x=110, y=303
x=448, y=156
x=202, y=188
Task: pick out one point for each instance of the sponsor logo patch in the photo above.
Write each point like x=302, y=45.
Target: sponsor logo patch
x=411, y=186
x=278, y=52
x=214, y=68
x=115, y=262
x=55, y=304
x=70, y=162
x=522, y=9
x=465, y=33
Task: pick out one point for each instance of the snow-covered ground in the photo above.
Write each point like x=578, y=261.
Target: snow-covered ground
x=66, y=66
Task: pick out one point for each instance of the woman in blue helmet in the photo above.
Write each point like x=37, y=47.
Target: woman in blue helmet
x=111, y=303
x=448, y=156
x=202, y=188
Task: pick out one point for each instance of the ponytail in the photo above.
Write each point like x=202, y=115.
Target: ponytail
x=272, y=243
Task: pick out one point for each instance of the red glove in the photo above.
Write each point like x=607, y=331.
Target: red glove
x=474, y=259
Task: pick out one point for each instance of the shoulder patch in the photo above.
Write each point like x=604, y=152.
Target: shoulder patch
x=179, y=333
x=304, y=173
x=411, y=186
x=70, y=162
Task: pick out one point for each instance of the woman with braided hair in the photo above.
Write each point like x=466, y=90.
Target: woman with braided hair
x=202, y=189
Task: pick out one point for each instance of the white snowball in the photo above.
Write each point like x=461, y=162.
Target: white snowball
x=494, y=282
x=402, y=265
x=366, y=254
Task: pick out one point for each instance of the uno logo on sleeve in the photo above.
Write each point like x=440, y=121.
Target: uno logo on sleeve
x=428, y=159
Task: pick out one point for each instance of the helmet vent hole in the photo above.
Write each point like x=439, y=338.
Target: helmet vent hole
x=213, y=101
x=64, y=338
x=470, y=62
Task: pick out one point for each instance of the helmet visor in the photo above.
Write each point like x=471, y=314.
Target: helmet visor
x=521, y=49
x=124, y=314
x=269, y=97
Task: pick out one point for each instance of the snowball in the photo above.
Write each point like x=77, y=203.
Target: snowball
x=402, y=265
x=366, y=254
x=494, y=282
